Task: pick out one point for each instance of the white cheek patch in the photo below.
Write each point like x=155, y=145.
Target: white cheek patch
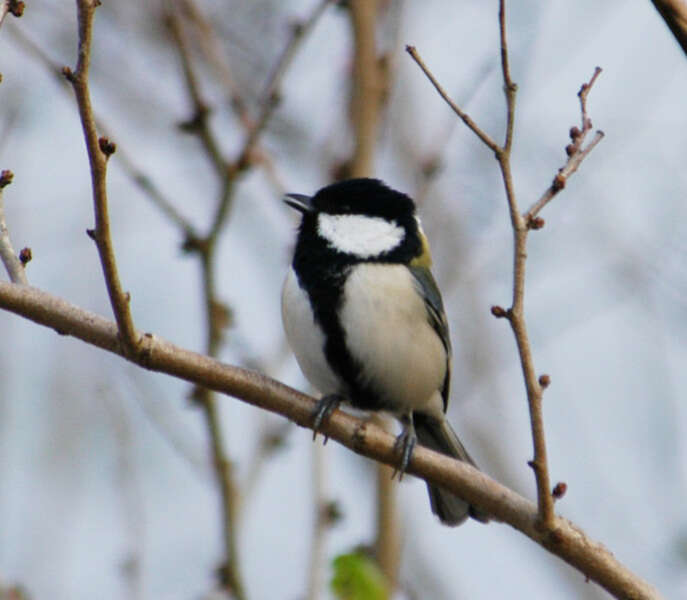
x=362, y=236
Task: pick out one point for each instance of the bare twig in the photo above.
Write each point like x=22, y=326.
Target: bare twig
x=13, y=264
x=509, y=87
x=456, y=109
x=576, y=153
x=214, y=54
x=121, y=157
x=217, y=314
x=269, y=98
x=99, y=150
x=563, y=539
x=516, y=314
x=199, y=122
x=674, y=13
x=521, y=225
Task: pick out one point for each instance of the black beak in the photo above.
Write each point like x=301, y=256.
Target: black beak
x=300, y=202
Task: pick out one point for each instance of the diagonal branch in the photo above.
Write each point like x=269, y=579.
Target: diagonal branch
x=269, y=98
x=563, y=539
x=99, y=150
x=575, y=151
x=488, y=141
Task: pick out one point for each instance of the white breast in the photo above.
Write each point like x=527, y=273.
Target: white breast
x=388, y=332
x=359, y=235
x=305, y=337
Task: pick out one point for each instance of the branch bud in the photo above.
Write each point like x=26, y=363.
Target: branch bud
x=16, y=7
x=544, y=380
x=6, y=177
x=107, y=147
x=68, y=74
x=499, y=312
x=535, y=223
x=559, y=490
x=558, y=182
x=25, y=255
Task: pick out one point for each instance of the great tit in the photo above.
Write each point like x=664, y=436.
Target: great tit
x=365, y=319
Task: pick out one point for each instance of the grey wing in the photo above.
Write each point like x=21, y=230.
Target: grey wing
x=436, y=316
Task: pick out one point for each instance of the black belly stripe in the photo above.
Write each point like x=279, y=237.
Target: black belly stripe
x=325, y=290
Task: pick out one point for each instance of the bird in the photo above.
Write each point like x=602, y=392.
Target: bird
x=366, y=322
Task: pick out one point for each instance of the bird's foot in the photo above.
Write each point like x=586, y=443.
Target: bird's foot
x=405, y=443
x=325, y=407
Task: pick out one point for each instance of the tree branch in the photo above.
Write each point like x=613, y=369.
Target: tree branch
x=563, y=539
x=456, y=109
x=674, y=13
x=99, y=150
x=269, y=98
x=521, y=225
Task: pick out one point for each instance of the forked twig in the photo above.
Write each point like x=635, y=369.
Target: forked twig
x=522, y=224
x=99, y=150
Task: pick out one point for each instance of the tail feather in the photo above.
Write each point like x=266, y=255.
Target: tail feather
x=439, y=436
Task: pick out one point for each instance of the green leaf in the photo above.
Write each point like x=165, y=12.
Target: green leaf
x=358, y=577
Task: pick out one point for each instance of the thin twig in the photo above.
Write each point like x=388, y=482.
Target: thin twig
x=564, y=539
x=509, y=87
x=456, y=109
x=121, y=157
x=521, y=225
x=14, y=266
x=98, y=152
x=516, y=314
x=575, y=151
x=211, y=48
x=217, y=314
x=269, y=98
x=199, y=121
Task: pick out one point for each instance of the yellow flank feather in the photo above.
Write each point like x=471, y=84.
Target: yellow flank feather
x=424, y=259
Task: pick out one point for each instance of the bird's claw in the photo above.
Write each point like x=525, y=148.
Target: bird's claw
x=404, y=445
x=325, y=407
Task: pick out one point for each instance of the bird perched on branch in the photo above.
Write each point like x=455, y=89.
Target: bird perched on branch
x=365, y=319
